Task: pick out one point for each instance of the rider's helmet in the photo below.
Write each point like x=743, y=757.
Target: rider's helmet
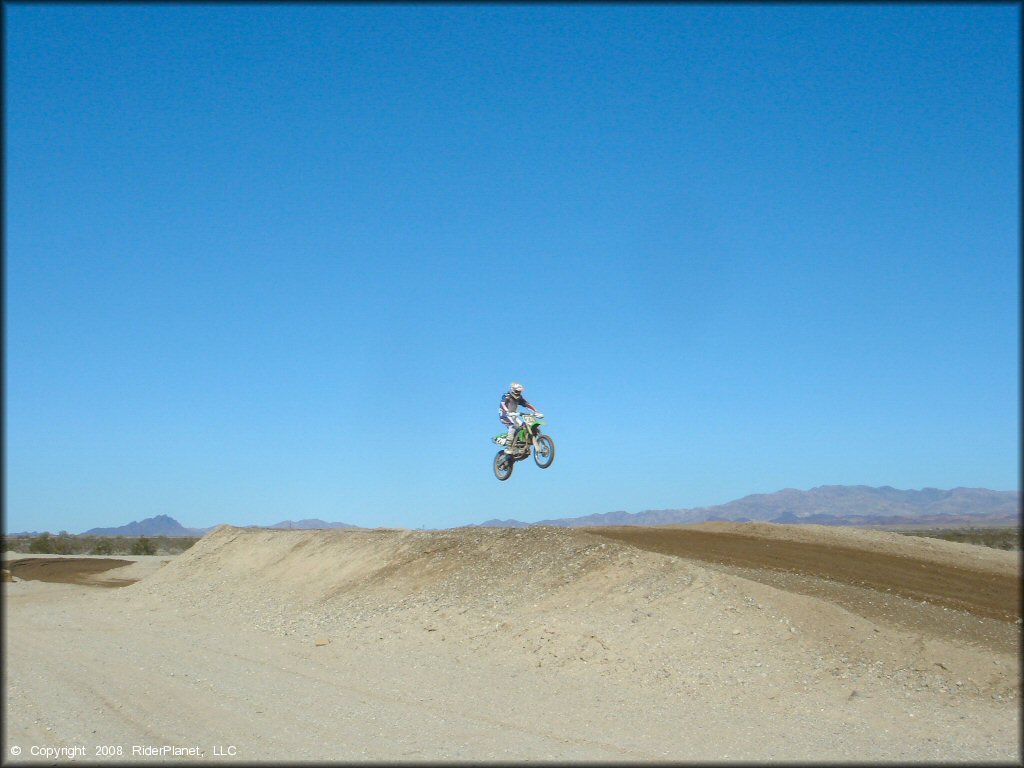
x=516, y=389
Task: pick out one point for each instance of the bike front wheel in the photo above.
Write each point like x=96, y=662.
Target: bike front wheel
x=503, y=466
x=544, y=451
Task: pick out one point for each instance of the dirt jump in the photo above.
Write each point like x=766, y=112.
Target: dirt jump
x=716, y=642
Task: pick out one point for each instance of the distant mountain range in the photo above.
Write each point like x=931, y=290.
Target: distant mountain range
x=856, y=505
x=162, y=525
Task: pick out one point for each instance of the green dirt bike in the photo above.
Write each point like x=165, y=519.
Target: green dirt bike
x=527, y=436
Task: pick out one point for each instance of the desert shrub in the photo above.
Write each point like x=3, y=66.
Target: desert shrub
x=996, y=538
x=42, y=544
x=64, y=544
x=143, y=546
x=103, y=547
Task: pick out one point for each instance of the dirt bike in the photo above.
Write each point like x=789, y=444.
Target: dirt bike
x=527, y=436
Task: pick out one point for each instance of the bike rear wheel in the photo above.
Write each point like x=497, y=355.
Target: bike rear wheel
x=544, y=451
x=503, y=466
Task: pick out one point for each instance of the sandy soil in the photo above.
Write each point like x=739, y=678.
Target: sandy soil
x=685, y=643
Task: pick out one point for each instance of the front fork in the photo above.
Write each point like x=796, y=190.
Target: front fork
x=523, y=436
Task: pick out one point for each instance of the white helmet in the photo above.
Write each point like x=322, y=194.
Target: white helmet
x=516, y=389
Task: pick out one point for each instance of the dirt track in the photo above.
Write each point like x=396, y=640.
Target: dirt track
x=730, y=642
x=961, y=586
x=71, y=570
x=979, y=592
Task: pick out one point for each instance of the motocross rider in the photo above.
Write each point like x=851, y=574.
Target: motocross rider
x=508, y=411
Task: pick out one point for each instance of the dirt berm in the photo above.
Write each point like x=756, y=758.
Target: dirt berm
x=711, y=642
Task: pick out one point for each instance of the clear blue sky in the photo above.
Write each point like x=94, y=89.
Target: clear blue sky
x=280, y=262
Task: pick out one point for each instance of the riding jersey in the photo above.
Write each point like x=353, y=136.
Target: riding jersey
x=510, y=404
